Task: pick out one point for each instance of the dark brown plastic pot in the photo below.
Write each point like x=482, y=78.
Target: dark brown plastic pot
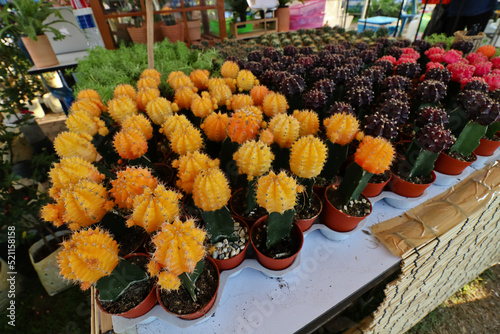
x=407, y=189
x=487, y=147
x=451, y=166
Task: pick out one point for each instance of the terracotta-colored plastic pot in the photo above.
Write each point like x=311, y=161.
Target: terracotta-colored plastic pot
x=374, y=189
x=451, y=166
x=270, y=263
x=141, y=309
x=336, y=219
x=306, y=224
x=234, y=261
x=205, y=308
x=487, y=147
x=408, y=189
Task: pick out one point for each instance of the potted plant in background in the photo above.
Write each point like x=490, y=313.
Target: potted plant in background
x=172, y=29
x=138, y=32
x=193, y=23
x=28, y=18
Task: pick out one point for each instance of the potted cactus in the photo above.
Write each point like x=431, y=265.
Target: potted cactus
x=490, y=142
x=276, y=239
x=345, y=206
x=187, y=281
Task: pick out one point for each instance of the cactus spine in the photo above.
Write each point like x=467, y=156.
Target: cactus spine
x=69, y=144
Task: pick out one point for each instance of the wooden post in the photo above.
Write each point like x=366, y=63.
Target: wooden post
x=150, y=33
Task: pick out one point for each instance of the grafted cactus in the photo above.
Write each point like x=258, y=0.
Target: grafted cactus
x=274, y=103
x=89, y=255
x=125, y=89
x=90, y=106
x=266, y=137
x=229, y=69
x=220, y=92
x=253, y=158
x=285, y=130
x=186, y=139
x=69, y=144
x=121, y=107
x=147, y=82
x=258, y=93
x=81, y=122
x=200, y=78
x=152, y=73
x=159, y=109
x=242, y=127
x=145, y=95
x=307, y=157
x=155, y=207
x=130, y=143
x=88, y=94
x=130, y=183
x=308, y=120
x=253, y=111
x=184, y=96
x=215, y=126
x=239, y=101
x=172, y=123
x=204, y=105
x=178, y=79
x=139, y=122
x=246, y=80
x=188, y=166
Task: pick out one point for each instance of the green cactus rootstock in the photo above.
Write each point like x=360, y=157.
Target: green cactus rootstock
x=420, y=161
x=125, y=274
x=354, y=182
x=279, y=225
x=337, y=154
x=251, y=196
x=492, y=130
x=468, y=140
x=219, y=225
x=188, y=280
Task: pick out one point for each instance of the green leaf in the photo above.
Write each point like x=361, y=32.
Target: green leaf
x=492, y=130
x=279, y=226
x=188, y=280
x=111, y=287
x=354, y=182
x=424, y=164
x=219, y=224
x=251, y=192
x=468, y=140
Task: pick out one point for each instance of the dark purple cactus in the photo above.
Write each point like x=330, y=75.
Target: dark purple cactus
x=477, y=84
x=255, y=56
x=356, y=62
x=467, y=98
x=290, y=50
x=327, y=86
x=402, y=43
x=396, y=82
x=439, y=74
x=396, y=94
x=375, y=73
x=368, y=56
x=324, y=53
x=434, y=138
x=361, y=46
x=394, y=51
x=420, y=45
x=346, y=45
x=377, y=47
x=241, y=63
x=316, y=59
x=340, y=107
x=384, y=41
x=359, y=81
x=280, y=77
x=307, y=62
x=351, y=53
x=430, y=91
x=234, y=59
x=386, y=65
x=441, y=45
x=267, y=77
x=266, y=63
x=287, y=61
x=464, y=46
x=254, y=67
x=292, y=85
x=296, y=69
x=319, y=73
x=431, y=115
x=395, y=109
x=315, y=100
x=409, y=70
x=306, y=50
x=487, y=118
x=379, y=125
x=272, y=53
x=341, y=74
x=495, y=95
x=331, y=61
x=334, y=48
x=359, y=97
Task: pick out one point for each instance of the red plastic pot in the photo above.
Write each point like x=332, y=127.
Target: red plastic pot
x=338, y=221
x=408, y=189
x=306, y=224
x=451, y=166
x=487, y=147
x=204, y=309
x=234, y=261
x=141, y=309
x=374, y=189
x=270, y=263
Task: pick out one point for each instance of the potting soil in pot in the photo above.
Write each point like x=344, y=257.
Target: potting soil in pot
x=179, y=301
x=283, y=249
x=356, y=208
x=459, y=156
x=380, y=178
x=398, y=168
x=239, y=205
x=306, y=212
x=131, y=241
x=134, y=295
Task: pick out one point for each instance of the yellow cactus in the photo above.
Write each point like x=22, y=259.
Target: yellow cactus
x=89, y=255
x=172, y=123
x=130, y=143
x=147, y=82
x=88, y=94
x=159, y=109
x=231, y=83
x=139, y=122
x=253, y=158
x=211, y=190
x=214, y=82
x=54, y=213
x=130, y=183
x=188, y=166
x=81, y=122
x=154, y=208
x=145, y=95
x=179, y=247
x=246, y=80
x=239, y=101
x=125, y=89
x=215, y=126
x=258, y=93
x=229, y=69
x=184, y=96
x=221, y=93
x=307, y=157
x=204, y=105
x=285, y=129
x=152, y=73
x=70, y=171
x=277, y=193
x=179, y=80
x=267, y=137
x=186, y=139
x=85, y=203
x=374, y=155
x=91, y=106
x=309, y=122
x=121, y=107
x=274, y=104
x=242, y=127
x=253, y=111
x=69, y=144
x=200, y=78
x=341, y=128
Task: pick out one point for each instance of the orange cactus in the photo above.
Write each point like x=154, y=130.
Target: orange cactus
x=242, y=127
x=309, y=122
x=231, y=83
x=147, y=82
x=229, y=69
x=204, y=105
x=258, y=93
x=189, y=165
x=253, y=111
x=178, y=79
x=130, y=183
x=88, y=94
x=159, y=109
x=53, y=213
x=246, y=80
x=221, y=93
x=172, y=123
x=274, y=103
x=145, y=95
x=139, y=122
x=239, y=101
x=69, y=144
x=130, y=143
x=215, y=126
x=487, y=50
x=186, y=139
x=121, y=107
x=341, y=128
x=374, y=155
x=91, y=106
x=125, y=89
x=184, y=96
x=267, y=137
x=200, y=78
x=214, y=82
x=152, y=73
x=81, y=122
x=285, y=129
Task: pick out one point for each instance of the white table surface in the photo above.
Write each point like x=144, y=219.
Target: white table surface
x=329, y=272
